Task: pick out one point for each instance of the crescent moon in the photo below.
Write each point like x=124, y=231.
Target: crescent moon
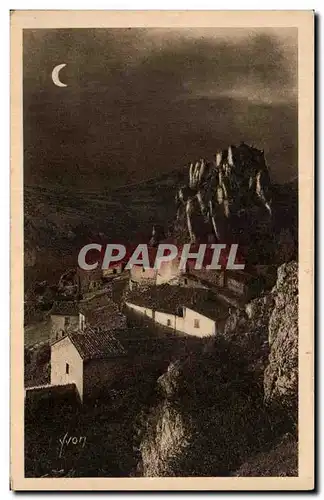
x=55, y=75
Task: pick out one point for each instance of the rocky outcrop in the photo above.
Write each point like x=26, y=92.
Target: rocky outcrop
x=248, y=329
x=281, y=375
x=223, y=190
x=231, y=199
x=208, y=418
x=267, y=331
x=227, y=404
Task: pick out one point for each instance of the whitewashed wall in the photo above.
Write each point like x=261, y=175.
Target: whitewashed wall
x=185, y=324
x=165, y=319
x=140, y=274
x=63, y=352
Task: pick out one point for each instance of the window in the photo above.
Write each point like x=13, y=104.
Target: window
x=67, y=368
x=196, y=323
x=169, y=322
x=66, y=321
x=180, y=312
x=186, y=281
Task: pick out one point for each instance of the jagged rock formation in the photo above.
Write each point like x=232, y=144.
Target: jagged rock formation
x=221, y=190
x=213, y=413
x=281, y=375
x=232, y=200
x=68, y=285
x=268, y=332
x=248, y=329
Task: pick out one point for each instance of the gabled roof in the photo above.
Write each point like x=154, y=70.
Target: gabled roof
x=207, y=277
x=210, y=309
x=96, y=343
x=102, y=310
x=65, y=308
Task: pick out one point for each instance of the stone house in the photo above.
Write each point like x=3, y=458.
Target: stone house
x=89, y=281
x=66, y=317
x=242, y=284
x=209, y=278
x=141, y=276
x=187, y=280
x=92, y=360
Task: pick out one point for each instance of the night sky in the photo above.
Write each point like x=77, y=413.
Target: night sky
x=141, y=102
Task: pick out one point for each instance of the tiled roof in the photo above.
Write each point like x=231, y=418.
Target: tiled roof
x=101, y=302
x=96, y=343
x=211, y=309
x=168, y=298
x=209, y=277
x=103, y=310
x=65, y=308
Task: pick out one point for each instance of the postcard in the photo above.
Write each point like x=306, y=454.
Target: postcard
x=162, y=233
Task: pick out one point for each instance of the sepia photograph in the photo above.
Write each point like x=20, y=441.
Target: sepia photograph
x=159, y=276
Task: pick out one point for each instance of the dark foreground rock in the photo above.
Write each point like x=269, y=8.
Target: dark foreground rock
x=233, y=402
x=281, y=375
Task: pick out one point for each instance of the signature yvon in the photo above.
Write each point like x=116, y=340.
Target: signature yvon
x=71, y=441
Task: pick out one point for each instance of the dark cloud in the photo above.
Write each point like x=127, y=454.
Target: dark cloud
x=141, y=102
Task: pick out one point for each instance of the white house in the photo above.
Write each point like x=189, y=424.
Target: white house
x=186, y=320
x=183, y=310
x=92, y=360
x=66, y=317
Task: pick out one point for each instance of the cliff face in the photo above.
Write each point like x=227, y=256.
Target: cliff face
x=221, y=408
x=168, y=431
x=281, y=375
x=232, y=199
x=208, y=419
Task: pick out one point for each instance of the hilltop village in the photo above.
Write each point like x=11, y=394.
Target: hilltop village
x=102, y=322
x=174, y=371
x=98, y=311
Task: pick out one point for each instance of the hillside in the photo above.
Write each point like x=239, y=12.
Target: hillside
x=58, y=222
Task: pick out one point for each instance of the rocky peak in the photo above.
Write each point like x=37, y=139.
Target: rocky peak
x=224, y=191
